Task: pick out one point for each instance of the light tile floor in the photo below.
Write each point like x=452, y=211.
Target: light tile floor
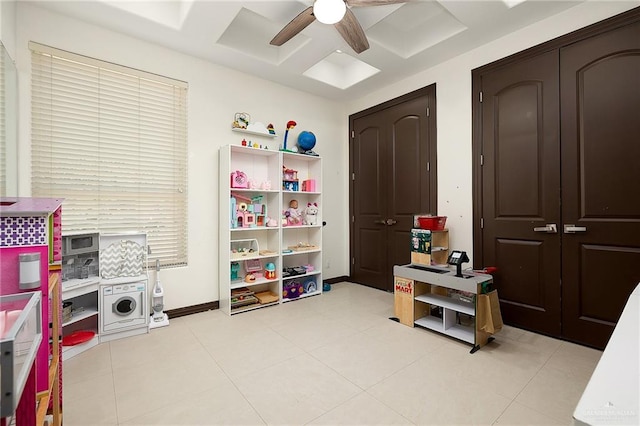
x=334, y=359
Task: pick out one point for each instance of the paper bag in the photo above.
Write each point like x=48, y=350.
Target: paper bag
x=490, y=306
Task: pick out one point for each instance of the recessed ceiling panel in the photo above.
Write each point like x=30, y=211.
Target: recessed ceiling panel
x=341, y=70
x=512, y=3
x=415, y=27
x=250, y=34
x=169, y=13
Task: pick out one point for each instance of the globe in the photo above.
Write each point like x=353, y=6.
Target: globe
x=306, y=140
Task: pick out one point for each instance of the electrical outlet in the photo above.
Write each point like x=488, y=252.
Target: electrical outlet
x=327, y=265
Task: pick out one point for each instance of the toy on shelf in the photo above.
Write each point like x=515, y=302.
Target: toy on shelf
x=265, y=297
x=239, y=180
x=242, y=123
x=292, y=289
x=306, y=142
x=271, y=222
x=310, y=214
x=292, y=214
x=247, y=212
x=242, y=297
x=244, y=248
x=270, y=271
x=253, y=268
x=241, y=120
x=309, y=185
x=235, y=267
x=290, y=125
x=303, y=247
x=310, y=285
x=289, y=179
x=293, y=271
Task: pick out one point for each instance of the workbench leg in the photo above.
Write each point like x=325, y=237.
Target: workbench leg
x=477, y=347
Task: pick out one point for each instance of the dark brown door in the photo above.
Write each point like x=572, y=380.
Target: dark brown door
x=600, y=97
x=557, y=200
x=393, y=177
x=520, y=192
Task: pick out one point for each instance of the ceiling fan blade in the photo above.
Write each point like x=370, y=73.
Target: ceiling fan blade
x=296, y=25
x=351, y=31
x=363, y=3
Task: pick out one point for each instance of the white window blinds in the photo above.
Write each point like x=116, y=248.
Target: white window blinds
x=111, y=141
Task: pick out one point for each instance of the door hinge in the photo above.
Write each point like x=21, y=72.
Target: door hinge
x=353, y=219
x=428, y=112
x=481, y=159
x=482, y=223
x=428, y=166
x=353, y=134
x=480, y=97
x=353, y=176
x=353, y=260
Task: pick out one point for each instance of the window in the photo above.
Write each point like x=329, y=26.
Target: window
x=111, y=141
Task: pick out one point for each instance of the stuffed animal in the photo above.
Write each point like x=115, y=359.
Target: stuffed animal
x=311, y=214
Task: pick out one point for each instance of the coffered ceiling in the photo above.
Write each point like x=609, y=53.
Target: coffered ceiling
x=404, y=38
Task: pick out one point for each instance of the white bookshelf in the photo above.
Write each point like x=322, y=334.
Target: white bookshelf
x=285, y=245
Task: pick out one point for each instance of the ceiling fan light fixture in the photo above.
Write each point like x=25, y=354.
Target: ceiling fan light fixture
x=329, y=11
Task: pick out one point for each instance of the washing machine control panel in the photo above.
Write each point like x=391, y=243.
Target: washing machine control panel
x=122, y=288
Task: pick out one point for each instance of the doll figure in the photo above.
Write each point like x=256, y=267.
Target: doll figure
x=293, y=214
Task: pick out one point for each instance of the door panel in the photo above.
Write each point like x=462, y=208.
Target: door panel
x=517, y=146
x=409, y=150
x=390, y=148
x=600, y=83
x=598, y=303
x=521, y=178
x=370, y=206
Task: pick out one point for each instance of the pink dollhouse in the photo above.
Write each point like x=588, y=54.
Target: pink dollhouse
x=247, y=212
x=33, y=227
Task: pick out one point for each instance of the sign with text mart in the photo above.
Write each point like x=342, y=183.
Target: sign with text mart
x=403, y=290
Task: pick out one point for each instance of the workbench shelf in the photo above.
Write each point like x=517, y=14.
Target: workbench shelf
x=448, y=303
x=426, y=297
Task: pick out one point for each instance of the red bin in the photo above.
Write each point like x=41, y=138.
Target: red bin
x=432, y=223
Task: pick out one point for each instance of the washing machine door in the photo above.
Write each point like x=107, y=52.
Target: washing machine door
x=124, y=306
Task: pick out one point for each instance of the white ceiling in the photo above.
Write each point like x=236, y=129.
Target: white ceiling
x=404, y=38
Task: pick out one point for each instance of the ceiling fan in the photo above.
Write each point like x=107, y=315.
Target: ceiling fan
x=333, y=12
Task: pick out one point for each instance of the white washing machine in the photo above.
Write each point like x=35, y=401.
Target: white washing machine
x=124, y=306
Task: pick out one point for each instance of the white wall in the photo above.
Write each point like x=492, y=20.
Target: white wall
x=215, y=95
x=453, y=93
x=8, y=25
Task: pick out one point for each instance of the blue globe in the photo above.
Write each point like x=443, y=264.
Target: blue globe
x=306, y=140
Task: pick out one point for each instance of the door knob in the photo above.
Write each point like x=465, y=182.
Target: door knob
x=380, y=222
x=572, y=229
x=549, y=228
x=391, y=222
